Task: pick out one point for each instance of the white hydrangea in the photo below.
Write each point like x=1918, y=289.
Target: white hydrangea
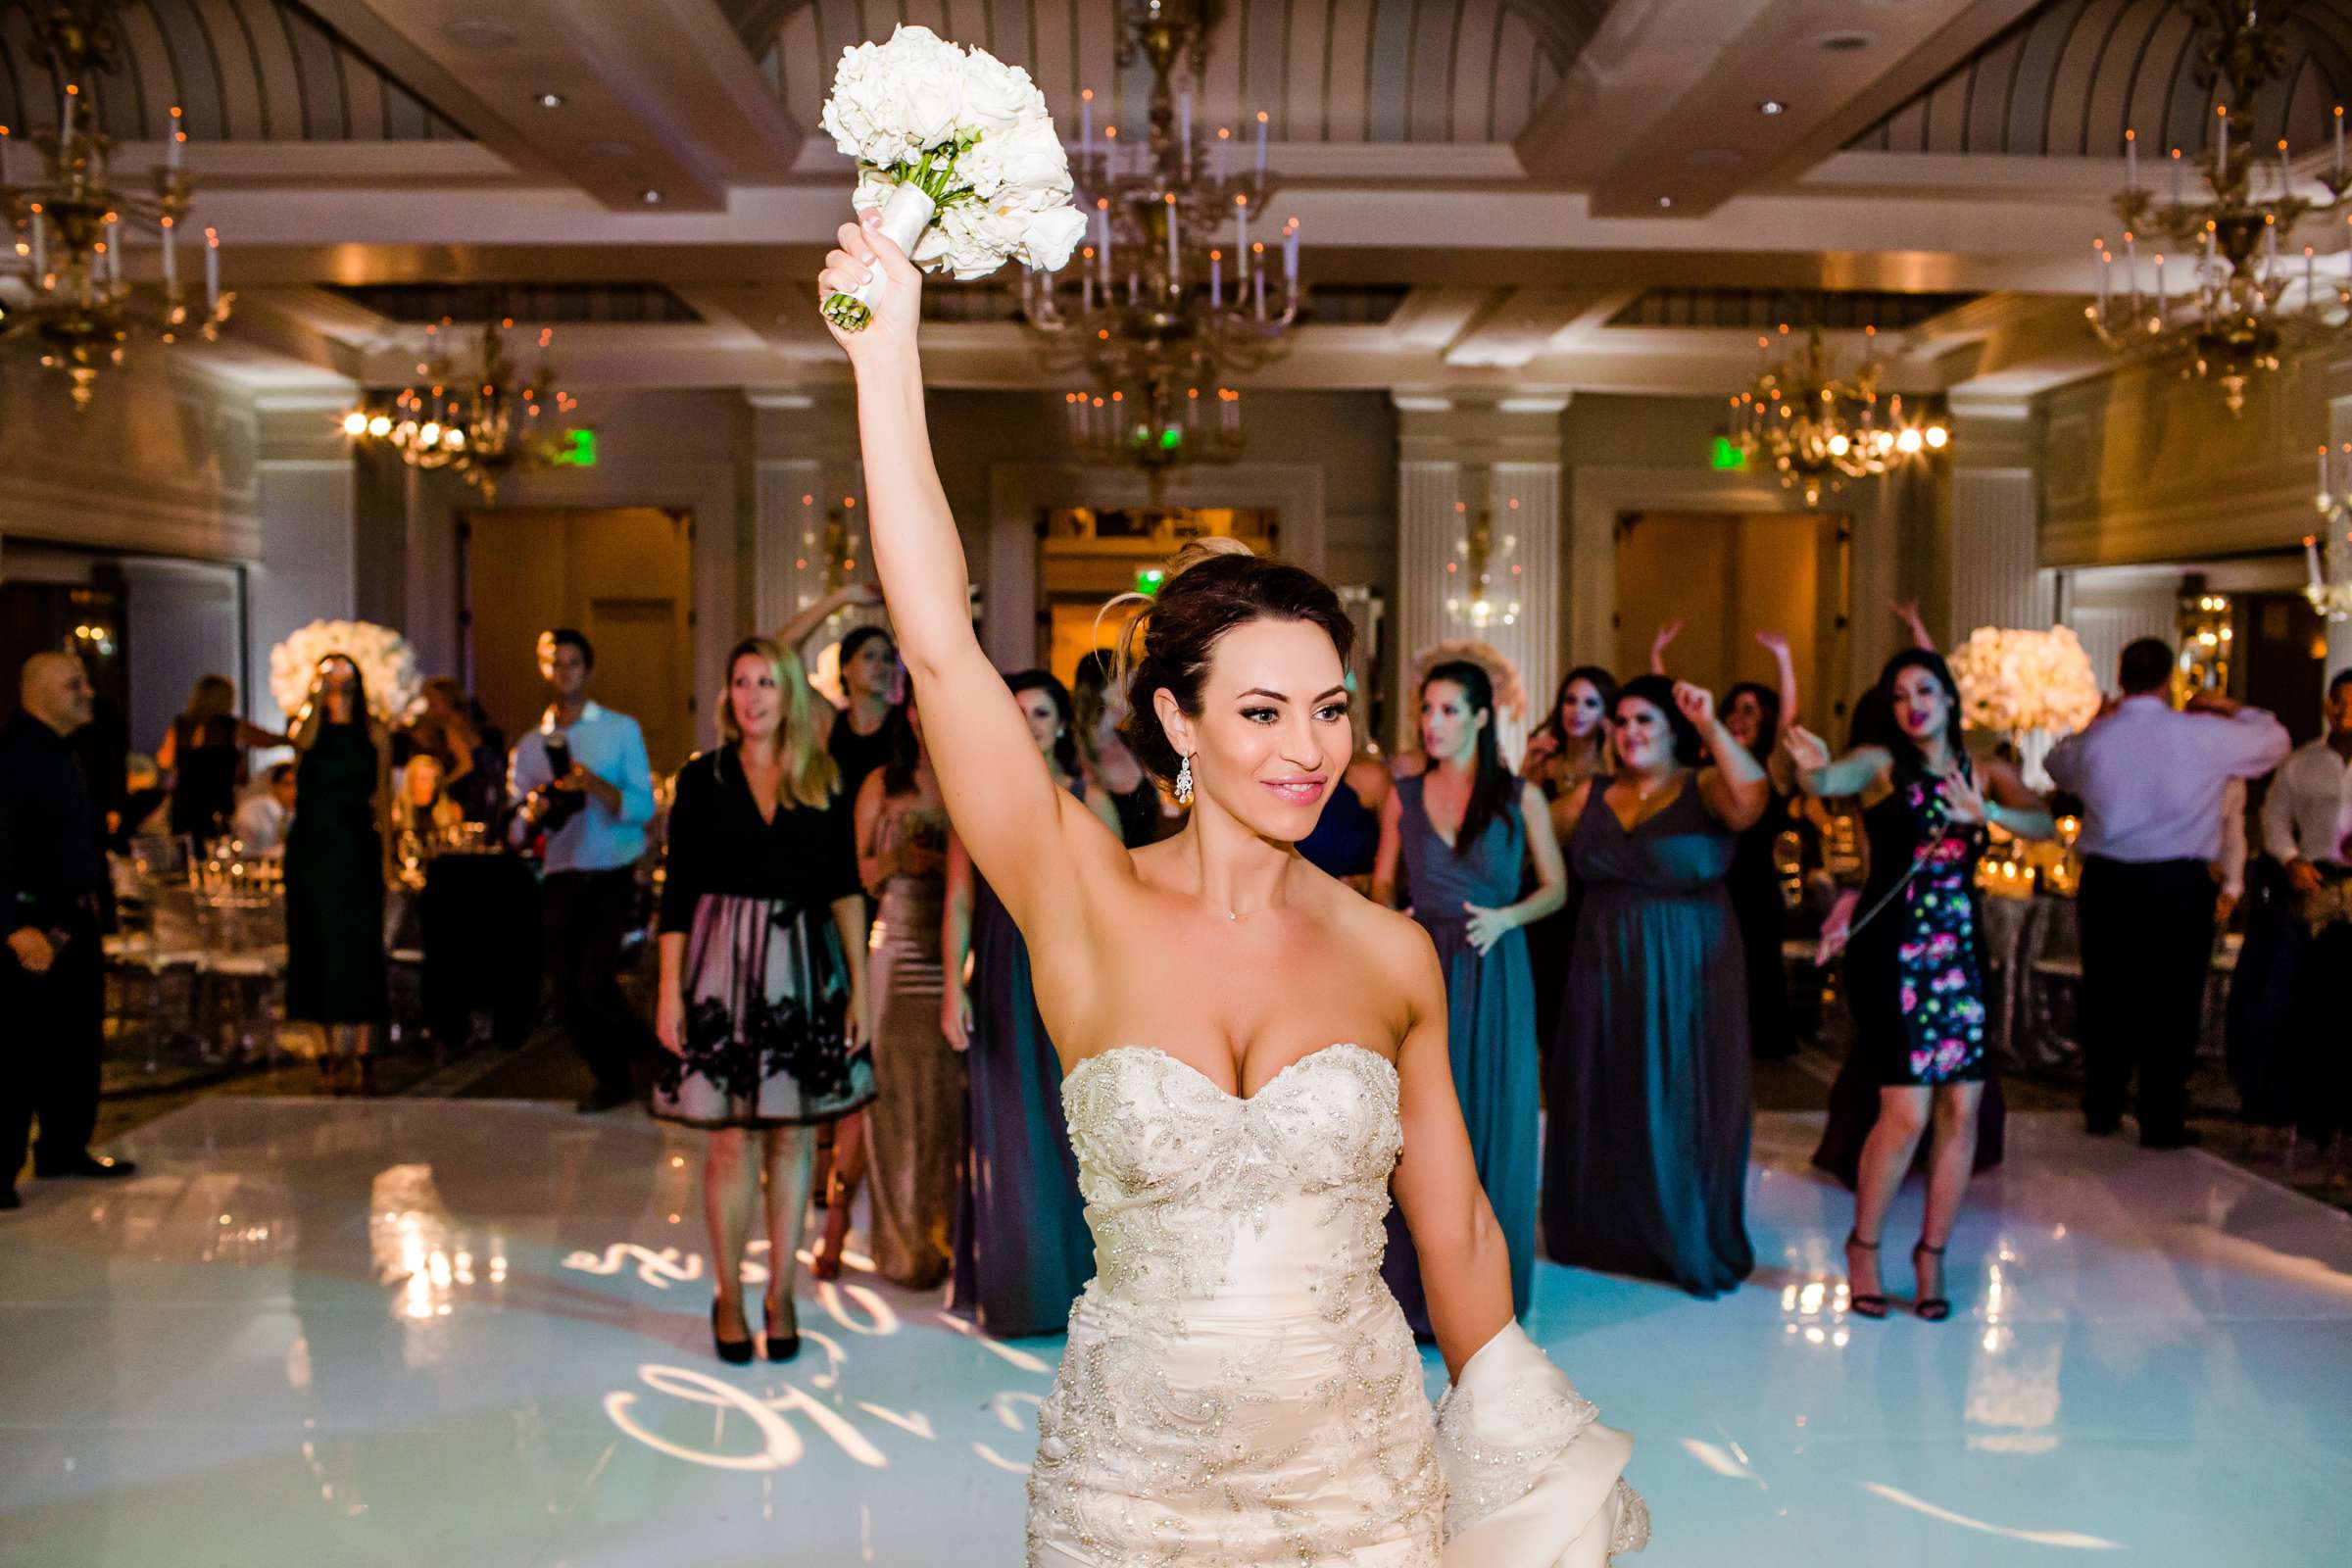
x=386, y=661
x=2022, y=682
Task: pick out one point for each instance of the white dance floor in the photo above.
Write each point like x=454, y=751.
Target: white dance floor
x=431, y=1331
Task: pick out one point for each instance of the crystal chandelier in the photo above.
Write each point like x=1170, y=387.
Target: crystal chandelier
x=66, y=217
x=480, y=420
x=1818, y=431
x=1473, y=594
x=1175, y=296
x=2328, y=552
x=2234, y=302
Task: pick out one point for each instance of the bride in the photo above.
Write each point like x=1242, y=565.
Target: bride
x=1255, y=1058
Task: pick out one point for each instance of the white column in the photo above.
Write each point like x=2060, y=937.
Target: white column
x=1427, y=529
x=1996, y=577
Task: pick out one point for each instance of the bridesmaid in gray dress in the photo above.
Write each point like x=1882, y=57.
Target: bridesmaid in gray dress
x=1646, y=1163
x=1462, y=831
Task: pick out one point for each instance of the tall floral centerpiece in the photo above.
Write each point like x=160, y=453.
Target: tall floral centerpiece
x=387, y=666
x=2030, y=686
x=959, y=151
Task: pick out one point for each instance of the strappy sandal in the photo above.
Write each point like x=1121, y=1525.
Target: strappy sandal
x=1866, y=1303
x=1931, y=1309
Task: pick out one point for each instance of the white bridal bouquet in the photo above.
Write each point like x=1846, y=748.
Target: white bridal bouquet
x=2021, y=681
x=387, y=666
x=959, y=151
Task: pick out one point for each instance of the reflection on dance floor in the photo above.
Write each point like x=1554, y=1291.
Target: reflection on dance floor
x=390, y=1331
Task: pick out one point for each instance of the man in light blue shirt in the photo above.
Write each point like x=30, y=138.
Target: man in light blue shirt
x=581, y=782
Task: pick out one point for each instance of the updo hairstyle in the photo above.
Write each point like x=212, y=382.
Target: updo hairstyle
x=1213, y=585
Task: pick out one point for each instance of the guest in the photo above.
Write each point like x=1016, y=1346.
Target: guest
x=1461, y=831
x=1022, y=1248
x=2150, y=780
x=2323, y=1080
x=1567, y=749
x=862, y=737
x=2295, y=1003
x=335, y=875
x=1856, y=1093
x=1345, y=841
x=1915, y=961
x=264, y=815
x=456, y=733
x=1756, y=716
x=762, y=1002
x=1109, y=766
x=914, y=1133
x=582, y=781
x=422, y=810
x=53, y=884
x=204, y=753
x=1646, y=1163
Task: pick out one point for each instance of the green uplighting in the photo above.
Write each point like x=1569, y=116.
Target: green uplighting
x=1171, y=438
x=1726, y=455
x=1148, y=581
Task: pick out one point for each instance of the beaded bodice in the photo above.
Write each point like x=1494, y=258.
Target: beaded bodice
x=1193, y=1191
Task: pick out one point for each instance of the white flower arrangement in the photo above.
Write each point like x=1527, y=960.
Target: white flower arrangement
x=2023, y=682
x=387, y=667
x=959, y=152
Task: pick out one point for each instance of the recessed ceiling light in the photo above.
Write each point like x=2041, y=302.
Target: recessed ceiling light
x=1846, y=41
x=651, y=198
x=1772, y=106
x=1665, y=201
x=551, y=100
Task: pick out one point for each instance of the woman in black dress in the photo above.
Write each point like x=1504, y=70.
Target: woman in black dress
x=1756, y=714
x=1915, y=961
x=335, y=873
x=204, y=753
x=762, y=1002
x=1109, y=766
x=1566, y=748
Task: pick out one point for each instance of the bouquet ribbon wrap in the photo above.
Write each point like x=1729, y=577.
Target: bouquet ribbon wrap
x=905, y=215
x=1532, y=1480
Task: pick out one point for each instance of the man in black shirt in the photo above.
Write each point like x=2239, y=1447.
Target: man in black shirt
x=53, y=885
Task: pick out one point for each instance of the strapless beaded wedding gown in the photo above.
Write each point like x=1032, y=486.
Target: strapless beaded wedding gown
x=1241, y=1389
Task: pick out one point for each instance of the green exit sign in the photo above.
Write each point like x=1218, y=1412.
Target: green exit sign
x=578, y=450
x=1148, y=581
x=1726, y=455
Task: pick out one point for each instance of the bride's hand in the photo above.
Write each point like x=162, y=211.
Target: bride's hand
x=865, y=251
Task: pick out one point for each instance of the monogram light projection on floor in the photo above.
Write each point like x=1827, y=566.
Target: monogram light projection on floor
x=321, y=1332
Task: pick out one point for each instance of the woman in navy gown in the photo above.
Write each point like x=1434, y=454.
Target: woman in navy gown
x=1645, y=1162
x=1567, y=749
x=1461, y=831
x=1022, y=1248
x=1346, y=837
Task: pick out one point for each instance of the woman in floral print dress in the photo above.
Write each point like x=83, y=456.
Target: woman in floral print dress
x=1915, y=964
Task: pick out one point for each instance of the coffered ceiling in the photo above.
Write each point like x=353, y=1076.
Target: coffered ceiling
x=1553, y=195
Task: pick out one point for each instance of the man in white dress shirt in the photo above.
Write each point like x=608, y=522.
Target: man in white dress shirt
x=2303, y=823
x=264, y=815
x=583, y=782
x=2151, y=780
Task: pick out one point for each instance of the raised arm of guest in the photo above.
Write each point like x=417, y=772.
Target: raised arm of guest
x=1784, y=663
x=1908, y=611
x=1658, y=645
x=1733, y=788
x=796, y=631
x=2253, y=741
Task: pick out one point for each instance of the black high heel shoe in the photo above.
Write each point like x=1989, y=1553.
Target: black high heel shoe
x=1867, y=1304
x=1931, y=1309
x=735, y=1353
x=785, y=1347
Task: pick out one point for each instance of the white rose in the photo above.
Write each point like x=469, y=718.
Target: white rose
x=1050, y=237
x=997, y=96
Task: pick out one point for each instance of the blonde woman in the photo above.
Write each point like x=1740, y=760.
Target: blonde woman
x=762, y=1002
x=335, y=874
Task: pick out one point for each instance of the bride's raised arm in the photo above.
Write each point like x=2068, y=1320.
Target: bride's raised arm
x=1025, y=835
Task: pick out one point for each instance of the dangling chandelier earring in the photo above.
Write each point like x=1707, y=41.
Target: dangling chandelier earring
x=1184, y=783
